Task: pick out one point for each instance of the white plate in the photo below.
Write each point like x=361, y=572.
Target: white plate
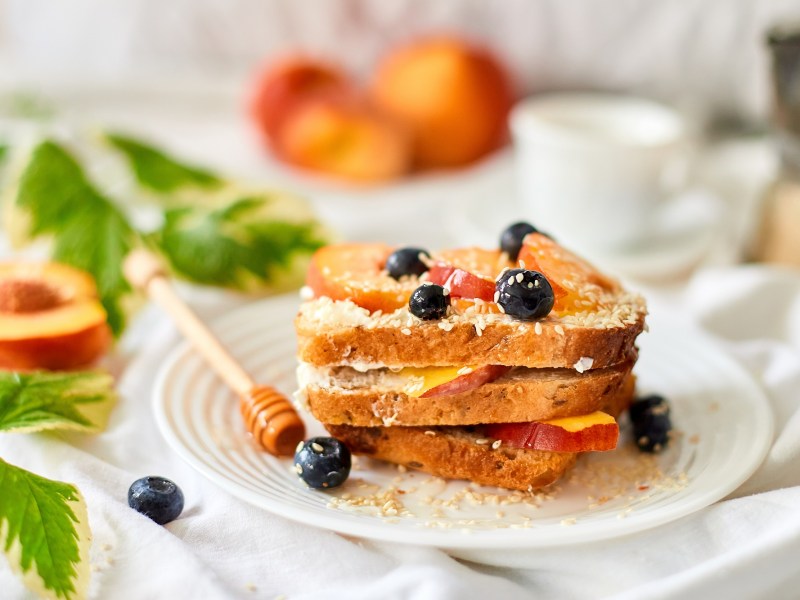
x=723, y=420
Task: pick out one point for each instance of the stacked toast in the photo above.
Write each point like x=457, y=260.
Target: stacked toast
x=499, y=366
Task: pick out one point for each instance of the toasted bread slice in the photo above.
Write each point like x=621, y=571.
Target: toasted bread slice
x=342, y=395
x=464, y=453
x=341, y=333
x=453, y=453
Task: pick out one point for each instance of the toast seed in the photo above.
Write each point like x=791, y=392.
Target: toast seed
x=519, y=277
x=299, y=446
x=538, y=328
x=431, y=433
x=510, y=281
x=317, y=447
x=496, y=444
x=559, y=329
x=482, y=441
x=496, y=296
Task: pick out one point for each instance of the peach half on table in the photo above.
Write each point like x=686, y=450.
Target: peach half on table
x=50, y=317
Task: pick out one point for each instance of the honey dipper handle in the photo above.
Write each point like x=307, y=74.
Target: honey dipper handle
x=145, y=271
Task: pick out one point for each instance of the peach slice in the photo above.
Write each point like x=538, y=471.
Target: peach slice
x=50, y=317
x=461, y=283
x=565, y=271
x=595, y=432
x=479, y=261
x=356, y=272
x=469, y=272
x=463, y=383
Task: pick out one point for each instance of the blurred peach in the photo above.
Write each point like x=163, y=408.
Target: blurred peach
x=344, y=139
x=453, y=97
x=285, y=84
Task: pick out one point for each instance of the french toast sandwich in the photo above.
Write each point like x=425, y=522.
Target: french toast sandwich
x=499, y=366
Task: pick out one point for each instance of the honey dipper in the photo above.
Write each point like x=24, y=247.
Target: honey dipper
x=267, y=413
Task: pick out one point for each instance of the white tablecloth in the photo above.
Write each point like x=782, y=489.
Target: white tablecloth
x=743, y=547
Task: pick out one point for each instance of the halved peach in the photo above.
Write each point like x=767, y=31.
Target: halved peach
x=50, y=317
x=595, y=432
x=356, y=272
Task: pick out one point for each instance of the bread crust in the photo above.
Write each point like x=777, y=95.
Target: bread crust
x=454, y=455
x=454, y=452
x=522, y=395
x=500, y=343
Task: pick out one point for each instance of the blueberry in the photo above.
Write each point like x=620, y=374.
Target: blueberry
x=406, y=261
x=524, y=294
x=511, y=238
x=429, y=301
x=651, y=423
x=157, y=498
x=322, y=462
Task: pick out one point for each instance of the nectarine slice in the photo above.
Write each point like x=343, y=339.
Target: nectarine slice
x=356, y=272
x=476, y=377
x=566, y=272
x=468, y=272
x=50, y=317
x=595, y=432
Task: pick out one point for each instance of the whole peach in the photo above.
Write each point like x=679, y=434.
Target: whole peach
x=344, y=139
x=281, y=86
x=454, y=97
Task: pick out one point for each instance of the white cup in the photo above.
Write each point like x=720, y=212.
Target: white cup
x=594, y=169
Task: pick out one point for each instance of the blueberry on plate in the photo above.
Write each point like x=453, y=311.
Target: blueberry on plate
x=650, y=417
x=157, y=498
x=322, y=462
x=406, y=261
x=429, y=301
x=511, y=238
x=524, y=294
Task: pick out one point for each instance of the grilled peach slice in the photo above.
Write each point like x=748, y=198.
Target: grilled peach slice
x=50, y=317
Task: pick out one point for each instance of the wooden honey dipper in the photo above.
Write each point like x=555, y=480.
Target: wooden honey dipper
x=267, y=413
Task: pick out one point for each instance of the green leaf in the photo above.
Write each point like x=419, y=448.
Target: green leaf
x=89, y=231
x=238, y=245
x=44, y=532
x=157, y=171
x=51, y=400
x=3, y=153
